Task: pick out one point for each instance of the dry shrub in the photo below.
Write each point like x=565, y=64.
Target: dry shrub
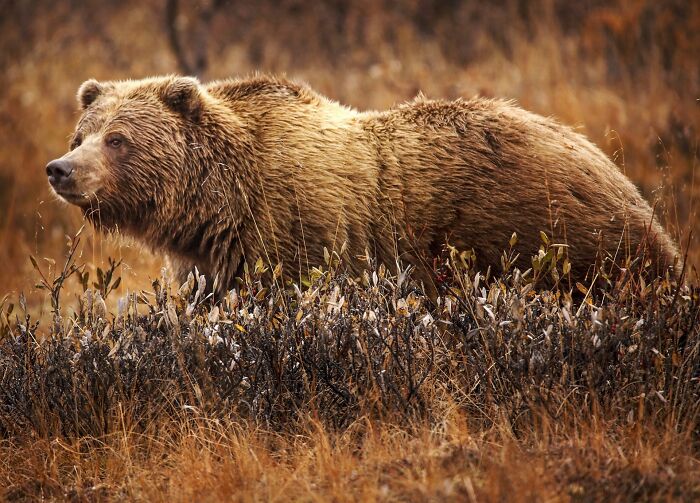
x=318, y=375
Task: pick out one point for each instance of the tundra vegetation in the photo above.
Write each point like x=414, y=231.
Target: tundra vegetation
x=354, y=388
x=116, y=383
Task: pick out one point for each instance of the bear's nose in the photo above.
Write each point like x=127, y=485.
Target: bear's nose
x=58, y=171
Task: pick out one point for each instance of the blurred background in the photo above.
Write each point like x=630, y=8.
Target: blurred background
x=625, y=73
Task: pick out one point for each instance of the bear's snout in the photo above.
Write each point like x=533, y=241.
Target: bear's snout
x=58, y=171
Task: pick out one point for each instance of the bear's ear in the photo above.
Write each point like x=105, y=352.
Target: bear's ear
x=89, y=91
x=184, y=96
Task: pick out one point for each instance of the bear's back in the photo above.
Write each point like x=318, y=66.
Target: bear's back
x=492, y=168
x=262, y=89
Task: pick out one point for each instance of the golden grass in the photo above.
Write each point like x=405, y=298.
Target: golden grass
x=626, y=76
x=207, y=460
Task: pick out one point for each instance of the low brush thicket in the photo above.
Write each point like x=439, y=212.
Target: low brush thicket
x=342, y=348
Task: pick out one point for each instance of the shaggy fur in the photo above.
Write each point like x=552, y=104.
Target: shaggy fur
x=214, y=175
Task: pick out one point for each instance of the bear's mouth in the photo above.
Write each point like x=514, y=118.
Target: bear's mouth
x=73, y=197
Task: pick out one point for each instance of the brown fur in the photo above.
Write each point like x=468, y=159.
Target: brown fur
x=234, y=170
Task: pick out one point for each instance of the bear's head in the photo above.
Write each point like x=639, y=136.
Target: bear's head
x=131, y=150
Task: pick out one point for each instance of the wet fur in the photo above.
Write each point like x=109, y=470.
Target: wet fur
x=239, y=169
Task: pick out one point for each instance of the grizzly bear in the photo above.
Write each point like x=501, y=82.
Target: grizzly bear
x=219, y=174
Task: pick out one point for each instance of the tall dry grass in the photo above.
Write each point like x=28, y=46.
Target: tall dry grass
x=625, y=73
x=210, y=461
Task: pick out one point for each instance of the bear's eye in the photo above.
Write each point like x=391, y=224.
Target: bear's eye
x=76, y=142
x=114, y=141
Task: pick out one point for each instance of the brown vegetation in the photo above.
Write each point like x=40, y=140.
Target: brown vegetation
x=355, y=388
x=520, y=401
